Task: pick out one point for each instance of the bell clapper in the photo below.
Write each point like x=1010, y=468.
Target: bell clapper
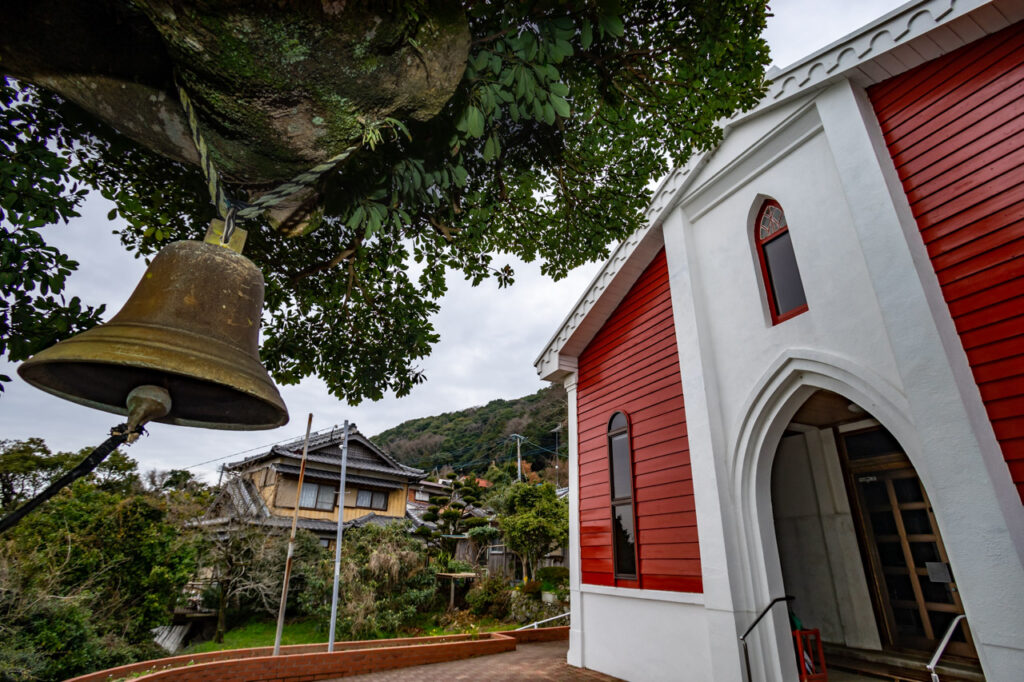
x=145, y=403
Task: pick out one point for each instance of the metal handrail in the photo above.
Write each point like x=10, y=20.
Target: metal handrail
x=942, y=647
x=743, y=637
x=538, y=622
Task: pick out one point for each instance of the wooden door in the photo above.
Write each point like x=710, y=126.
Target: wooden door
x=914, y=590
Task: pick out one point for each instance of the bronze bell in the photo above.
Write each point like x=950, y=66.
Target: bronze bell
x=191, y=326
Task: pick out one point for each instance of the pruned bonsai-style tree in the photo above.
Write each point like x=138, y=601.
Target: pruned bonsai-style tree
x=472, y=132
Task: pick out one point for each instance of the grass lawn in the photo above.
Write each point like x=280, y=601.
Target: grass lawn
x=485, y=624
x=261, y=633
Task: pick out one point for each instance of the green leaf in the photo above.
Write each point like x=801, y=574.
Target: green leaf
x=112, y=214
x=357, y=217
x=613, y=26
x=474, y=121
x=492, y=148
x=460, y=176
x=586, y=34
x=560, y=105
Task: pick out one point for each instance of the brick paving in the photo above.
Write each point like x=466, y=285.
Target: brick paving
x=540, y=661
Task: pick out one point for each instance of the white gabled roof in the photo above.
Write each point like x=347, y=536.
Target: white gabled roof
x=917, y=32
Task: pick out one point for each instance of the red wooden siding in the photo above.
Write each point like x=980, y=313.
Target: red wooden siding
x=632, y=366
x=955, y=130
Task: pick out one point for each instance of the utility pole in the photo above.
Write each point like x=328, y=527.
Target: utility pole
x=558, y=431
x=337, y=541
x=519, y=456
x=291, y=544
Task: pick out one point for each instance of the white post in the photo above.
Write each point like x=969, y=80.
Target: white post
x=519, y=457
x=337, y=541
x=291, y=544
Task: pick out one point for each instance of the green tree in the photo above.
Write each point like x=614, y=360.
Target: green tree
x=533, y=522
x=246, y=564
x=85, y=579
x=386, y=580
x=453, y=517
x=565, y=113
x=27, y=466
x=38, y=186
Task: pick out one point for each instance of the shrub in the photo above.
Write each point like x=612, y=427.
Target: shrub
x=526, y=609
x=531, y=588
x=385, y=582
x=553, y=577
x=490, y=596
x=458, y=566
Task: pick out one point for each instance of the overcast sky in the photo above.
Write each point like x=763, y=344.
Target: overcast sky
x=489, y=337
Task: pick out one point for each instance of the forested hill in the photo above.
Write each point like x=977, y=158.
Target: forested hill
x=469, y=440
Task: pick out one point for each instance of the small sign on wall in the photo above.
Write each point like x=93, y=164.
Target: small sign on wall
x=938, y=572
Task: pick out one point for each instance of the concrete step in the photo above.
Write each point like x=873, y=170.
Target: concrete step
x=899, y=667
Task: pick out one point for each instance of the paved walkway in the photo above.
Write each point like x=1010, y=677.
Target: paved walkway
x=540, y=661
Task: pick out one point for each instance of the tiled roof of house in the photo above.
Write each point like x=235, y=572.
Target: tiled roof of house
x=325, y=448
x=323, y=475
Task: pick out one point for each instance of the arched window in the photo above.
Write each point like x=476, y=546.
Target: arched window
x=620, y=467
x=779, y=270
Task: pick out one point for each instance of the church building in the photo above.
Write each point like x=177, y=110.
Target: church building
x=805, y=376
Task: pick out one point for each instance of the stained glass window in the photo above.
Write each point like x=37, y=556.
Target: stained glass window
x=779, y=269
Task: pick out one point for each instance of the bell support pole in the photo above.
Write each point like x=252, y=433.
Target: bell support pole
x=144, y=404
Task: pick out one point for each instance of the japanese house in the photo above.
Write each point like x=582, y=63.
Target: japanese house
x=263, y=488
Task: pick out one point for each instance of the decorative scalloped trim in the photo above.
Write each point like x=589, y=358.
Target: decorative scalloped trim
x=866, y=45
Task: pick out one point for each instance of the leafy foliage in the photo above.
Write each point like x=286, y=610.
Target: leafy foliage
x=490, y=596
x=533, y=521
x=38, y=187
x=247, y=564
x=84, y=579
x=386, y=580
x=565, y=114
x=451, y=514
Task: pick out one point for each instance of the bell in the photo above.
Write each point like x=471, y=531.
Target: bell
x=191, y=327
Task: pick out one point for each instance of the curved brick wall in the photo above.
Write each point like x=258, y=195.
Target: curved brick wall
x=304, y=662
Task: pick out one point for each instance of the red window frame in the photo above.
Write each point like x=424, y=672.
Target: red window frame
x=769, y=290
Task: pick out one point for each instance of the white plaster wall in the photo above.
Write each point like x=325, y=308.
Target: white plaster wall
x=873, y=332
x=843, y=315
x=645, y=639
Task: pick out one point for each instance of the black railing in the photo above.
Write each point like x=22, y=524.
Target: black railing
x=743, y=637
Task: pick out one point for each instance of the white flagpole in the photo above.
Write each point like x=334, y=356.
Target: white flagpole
x=337, y=541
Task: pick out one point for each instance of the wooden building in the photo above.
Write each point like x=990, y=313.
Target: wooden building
x=805, y=375
x=263, y=488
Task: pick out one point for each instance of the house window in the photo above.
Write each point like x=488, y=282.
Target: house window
x=779, y=269
x=623, y=516
x=371, y=499
x=317, y=496
x=422, y=496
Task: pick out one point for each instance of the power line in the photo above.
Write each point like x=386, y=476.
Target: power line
x=258, y=447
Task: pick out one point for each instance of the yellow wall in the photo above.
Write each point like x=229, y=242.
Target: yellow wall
x=396, y=505
x=280, y=498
